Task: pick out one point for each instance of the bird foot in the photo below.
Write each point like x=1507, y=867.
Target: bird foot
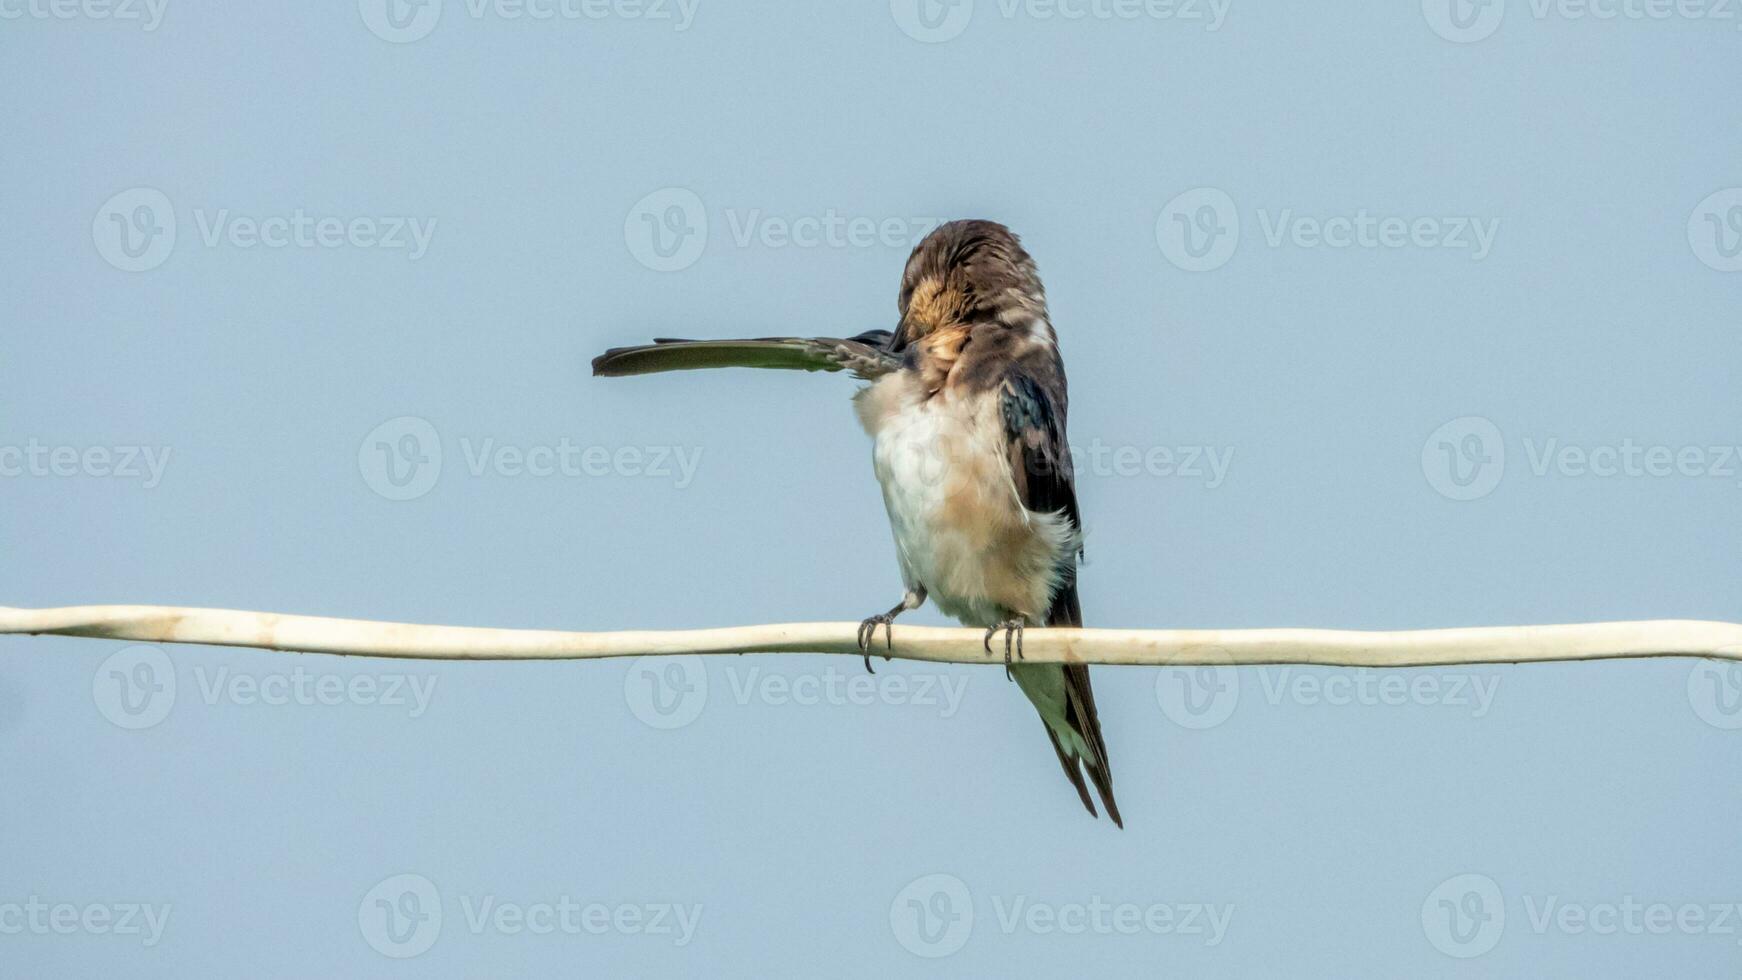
x=868, y=635
x=1012, y=630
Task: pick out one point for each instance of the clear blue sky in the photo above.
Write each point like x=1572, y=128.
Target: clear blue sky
x=1377, y=315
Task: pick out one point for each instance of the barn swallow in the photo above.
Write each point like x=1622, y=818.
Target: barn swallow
x=965, y=407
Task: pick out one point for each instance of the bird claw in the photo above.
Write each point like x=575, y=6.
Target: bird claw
x=868, y=635
x=1012, y=630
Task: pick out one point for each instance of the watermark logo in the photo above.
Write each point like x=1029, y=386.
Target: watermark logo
x=940, y=465
x=400, y=21
x=666, y=692
x=1464, y=915
x=667, y=230
x=670, y=692
x=1465, y=458
x=1715, y=230
x=147, y=13
x=830, y=229
x=305, y=688
x=566, y=458
x=134, y=231
x=1715, y=692
x=41, y=918
x=405, y=21
x=932, y=21
x=1202, y=696
x=1199, y=229
x=135, y=687
x=932, y=916
x=833, y=688
x=1631, y=917
x=401, y=917
x=1464, y=21
x=38, y=459
x=1469, y=21
x=401, y=459
x=301, y=230
x=1632, y=460
x=1205, y=463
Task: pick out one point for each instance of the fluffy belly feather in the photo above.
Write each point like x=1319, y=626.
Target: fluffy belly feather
x=960, y=529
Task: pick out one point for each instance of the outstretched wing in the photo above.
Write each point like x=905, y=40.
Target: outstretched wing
x=865, y=355
x=1034, y=402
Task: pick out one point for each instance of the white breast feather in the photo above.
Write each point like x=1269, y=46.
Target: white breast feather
x=960, y=529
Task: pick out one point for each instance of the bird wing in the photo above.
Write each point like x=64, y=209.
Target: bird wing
x=865, y=355
x=1034, y=403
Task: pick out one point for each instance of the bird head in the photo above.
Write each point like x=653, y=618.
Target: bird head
x=966, y=273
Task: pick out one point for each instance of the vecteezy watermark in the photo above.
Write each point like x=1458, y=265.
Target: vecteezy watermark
x=935, y=21
x=402, y=916
x=667, y=230
x=1200, y=696
x=1715, y=229
x=299, y=229
x=1469, y=21
x=938, y=463
x=37, y=917
x=666, y=692
x=487, y=457
x=404, y=21
x=1715, y=691
x=1464, y=21
x=38, y=459
x=308, y=688
x=400, y=21
x=1465, y=916
x=1632, y=460
x=1467, y=233
x=1204, y=696
x=136, y=687
x=1465, y=459
x=671, y=692
x=136, y=230
x=1209, y=464
x=1200, y=229
x=933, y=916
x=401, y=459
x=1628, y=916
x=146, y=13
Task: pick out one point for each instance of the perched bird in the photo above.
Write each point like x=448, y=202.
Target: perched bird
x=966, y=412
